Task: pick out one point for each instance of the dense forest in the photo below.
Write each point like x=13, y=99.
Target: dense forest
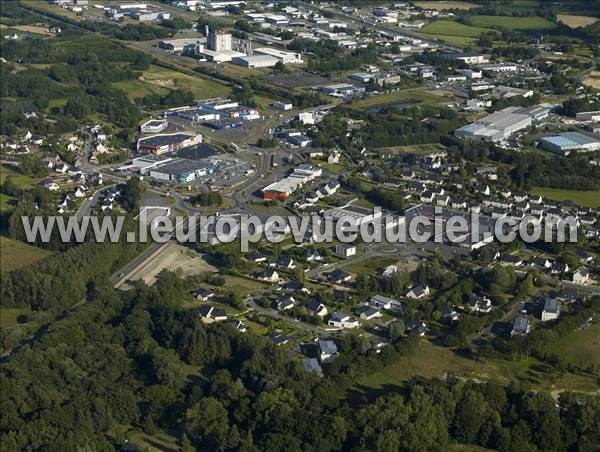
x=122, y=359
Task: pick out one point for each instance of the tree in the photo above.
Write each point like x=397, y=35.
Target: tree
x=396, y=329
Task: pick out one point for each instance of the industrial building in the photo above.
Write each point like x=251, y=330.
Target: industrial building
x=163, y=143
x=342, y=90
x=567, y=142
x=255, y=61
x=588, y=116
x=214, y=110
x=496, y=126
x=177, y=45
x=283, y=188
x=282, y=55
x=154, y=126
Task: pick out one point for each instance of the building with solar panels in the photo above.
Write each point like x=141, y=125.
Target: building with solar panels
x=567, y=142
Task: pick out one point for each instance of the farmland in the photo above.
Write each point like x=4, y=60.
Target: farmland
x=593, y=80
x=445, y=5
x=576, y=21
x=583, y=198
x=512, y=23
x=15, y=254
x=581, y=348
x=454, y=32
x=431, y=361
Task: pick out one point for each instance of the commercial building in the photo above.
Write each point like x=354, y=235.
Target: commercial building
x=181, y=171
x=255, y=61
x=342, y=90
x=499, y=67
x=567, y=142
x=149, y=16
x=215, y=109
x=163, y=143
x=282, y=55
x=154, y=126
x=496, y=126
x=588, y=116
x=283, y=188
x=467, y=57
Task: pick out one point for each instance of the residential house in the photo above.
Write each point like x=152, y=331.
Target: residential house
x=327, y=350
x=520, y=326
x=540, y=263
x=510, y=260
x=339, y=276
x=477, y=303
x=345, y=250
x=278, y=338
x=311, y=365
x=211, y=313
x=341, y=320
x=415, y=327
x=238, y=325
x=418, y=292
x=286, y=262
x=449, y=314
x=285, y=302
x=256, y=257
x=50, y=185
x=312, y=256
x=551, y=310
x=317, y=308
x=381, y=302
x=203, y=294
x=581, y=276
x=368, y=313
x=269, y=275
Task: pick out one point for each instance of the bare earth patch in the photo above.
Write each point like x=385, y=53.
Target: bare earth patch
x=575, y=21
x=593, y=80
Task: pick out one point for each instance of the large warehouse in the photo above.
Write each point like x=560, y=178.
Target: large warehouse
x=497, y=126
x=254, y=61
x=169, y=142
x=567, y=142
x=181, y=171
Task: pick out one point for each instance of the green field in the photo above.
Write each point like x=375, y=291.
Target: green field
x=21, y=180
x=8, y=316
x=580, y=348
x=15, y=254
x=416, y=96
x=5, y=201
x=371, y=266
x=431, y=361
x=451, y=28
x=583, y=198
x=160, y=80
x=513, y=23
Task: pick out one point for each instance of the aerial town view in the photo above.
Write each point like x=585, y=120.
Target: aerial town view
x=265, y=225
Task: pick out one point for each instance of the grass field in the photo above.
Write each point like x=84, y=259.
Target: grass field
x=371, y=266
x=451, y=28
x=581, y=348
x=5, y=201
x=21, y=180
x=159, y=80
x=431, y=361
x=576, y=21
x=583, y=198
x=242, y=286
x=445, y=5
x=415, y=96
x=15, y=254
x=513, y=23
x=8, y=316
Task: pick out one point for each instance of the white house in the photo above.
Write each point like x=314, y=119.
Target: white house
x=551, y=310
x=341, y=320
x=581, y=276
x=418, y=292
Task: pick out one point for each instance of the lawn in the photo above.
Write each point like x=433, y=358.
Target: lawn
x=431, y=361
x=15, y=254
x=371, y=266
x=513, y=23
x=580, y=348
x=583, y=198
x=5, y=201
x=445, y=5
x=451, y=28
x=242, y=286
x=576, y=21
x=9, y=316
